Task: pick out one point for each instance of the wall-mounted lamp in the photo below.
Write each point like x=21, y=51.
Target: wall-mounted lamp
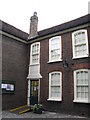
x=65, y=64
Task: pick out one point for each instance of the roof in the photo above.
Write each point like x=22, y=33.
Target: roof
x=20, y=34
x=77, y=22
x=13, y=31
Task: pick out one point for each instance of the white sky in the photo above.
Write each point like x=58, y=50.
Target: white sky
x=50, y=12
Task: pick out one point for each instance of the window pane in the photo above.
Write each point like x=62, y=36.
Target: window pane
x=82, y=84
x=80, y=48
x=55, y=54
x=55, y=79
x=35, y=53
x=78, y=95
x=82, y=95
x=55, y=49
x=55, y=92
x=86, y=95
x=79, y=38
x=55, y=85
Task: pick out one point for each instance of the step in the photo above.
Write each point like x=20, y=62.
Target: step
x=21, y=109
x=12, y=110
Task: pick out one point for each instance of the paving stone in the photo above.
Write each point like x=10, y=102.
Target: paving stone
x=45, y=114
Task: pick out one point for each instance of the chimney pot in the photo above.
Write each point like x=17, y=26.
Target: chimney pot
x=35, y=13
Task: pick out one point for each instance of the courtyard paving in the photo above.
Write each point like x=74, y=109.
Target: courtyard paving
x=45, y=114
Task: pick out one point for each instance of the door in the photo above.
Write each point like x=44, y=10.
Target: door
x=34, y=92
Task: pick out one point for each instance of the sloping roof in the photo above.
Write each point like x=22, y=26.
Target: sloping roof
x=77, y=22
x=13, y=31
x=20, y=34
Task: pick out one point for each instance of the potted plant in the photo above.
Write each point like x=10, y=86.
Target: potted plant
x=37, y=108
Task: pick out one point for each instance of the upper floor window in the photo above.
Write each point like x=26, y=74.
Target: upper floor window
x=35, y=53
x=81, y=85
x=55, y=49
x=55, y=86
x=80, y=44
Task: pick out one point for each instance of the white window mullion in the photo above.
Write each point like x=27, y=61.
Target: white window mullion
x=87, y=48
x=55, y=86
x=81, y=86
x=49, y=86
x=89, y=86
x=80, y=44
x=35, y=53
x=55, y=49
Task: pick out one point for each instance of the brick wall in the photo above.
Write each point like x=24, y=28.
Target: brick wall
x=67, y=104
x=14, y=68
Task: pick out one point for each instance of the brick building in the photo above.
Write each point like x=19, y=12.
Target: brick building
x=53, y=65
x=60, y=65
x=14, y=66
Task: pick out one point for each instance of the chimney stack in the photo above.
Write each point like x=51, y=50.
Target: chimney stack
x=33, y=25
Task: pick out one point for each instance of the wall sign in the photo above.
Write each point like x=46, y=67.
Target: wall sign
x=8, y=86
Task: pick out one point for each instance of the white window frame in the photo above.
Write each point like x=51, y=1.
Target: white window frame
x=55, y=99
x=31, y=62
x=80, y=100
x=60, y=58
x=73, y=43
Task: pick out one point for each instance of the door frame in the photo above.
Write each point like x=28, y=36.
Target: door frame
x=28, y=95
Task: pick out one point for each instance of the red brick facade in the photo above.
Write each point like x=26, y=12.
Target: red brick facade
x=18, y=67
x=66, y=105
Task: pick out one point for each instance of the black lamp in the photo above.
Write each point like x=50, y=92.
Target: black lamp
x=65, y=64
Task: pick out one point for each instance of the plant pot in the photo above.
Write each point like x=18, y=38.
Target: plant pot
x=37, y=108
x=38, y=111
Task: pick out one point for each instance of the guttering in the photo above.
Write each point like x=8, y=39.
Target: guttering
x=57, y=33
x=14, y=37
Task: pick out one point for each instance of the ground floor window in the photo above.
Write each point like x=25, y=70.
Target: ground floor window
x=55, y=86
x=81, y=85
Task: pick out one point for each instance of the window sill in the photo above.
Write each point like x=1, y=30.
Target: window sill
x=80, y=57
x=54, y=61
x=34, y=64
x=53, y=99
x=81, y=101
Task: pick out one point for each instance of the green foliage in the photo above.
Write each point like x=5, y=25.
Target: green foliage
x=37, y=108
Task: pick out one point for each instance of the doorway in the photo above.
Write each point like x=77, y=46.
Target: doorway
x=34, y=89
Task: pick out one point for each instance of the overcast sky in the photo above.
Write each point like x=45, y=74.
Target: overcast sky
x=50, y=12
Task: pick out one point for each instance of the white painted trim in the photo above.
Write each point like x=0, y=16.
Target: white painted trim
x=13, y=37
x=55, y=61
x=39, y=91
x=50, y=49
x=73, y=49
x=28, y=97
x=60, y=32
x=75, y=94
x=89, y=85
x=31, y=54
x=80, y=57
x=81, y=101
x=55, y=99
